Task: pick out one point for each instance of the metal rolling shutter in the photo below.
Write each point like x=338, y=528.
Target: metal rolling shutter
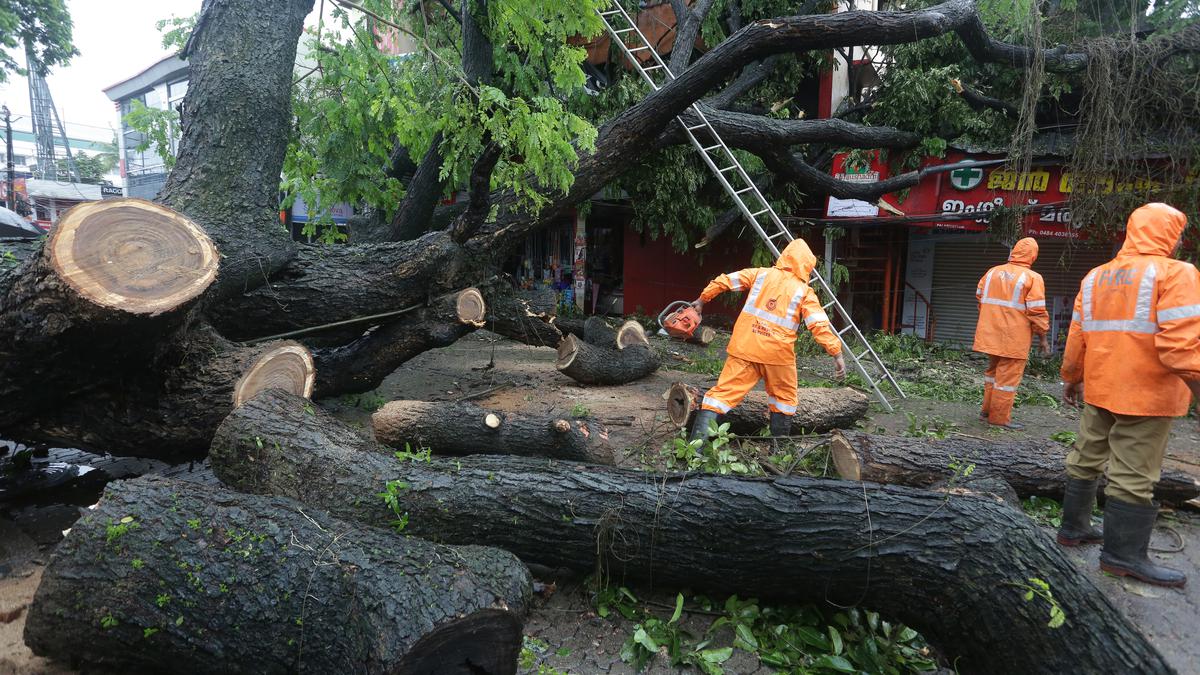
x=958, y=265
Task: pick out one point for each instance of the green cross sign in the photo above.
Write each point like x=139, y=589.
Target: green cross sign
x=965, y=179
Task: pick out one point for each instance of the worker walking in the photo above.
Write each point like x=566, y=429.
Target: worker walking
x=1012, y=305
x=762, y=346
x=1133, y=357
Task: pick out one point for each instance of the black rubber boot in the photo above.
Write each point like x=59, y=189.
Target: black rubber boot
x=1127, y=529
x=781, y=425
x=700, y=425
x=1077, y=505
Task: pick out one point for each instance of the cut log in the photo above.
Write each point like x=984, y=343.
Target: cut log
x=363, y=364
x=570, y=326
x=596, y=331
x=173, y=414
x=631, y=333
x=510, y=315
x=113, y=278
x=589, y=364
x=1031, y=467
x=954, y=567
x=818, y=411
x=704, y=335
x=169, y=575
x=465, y=429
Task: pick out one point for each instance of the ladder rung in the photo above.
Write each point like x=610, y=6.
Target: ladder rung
x=698, y=126
x=729, y=168
x=744, y=190
x=827, y=305
x=624, y=30
x=638, y=49
x=654, y=67
x=781, y=233
x=843, y=331
x=864, y=353
x=711, y=147
x=610, y=12
x=755, y=215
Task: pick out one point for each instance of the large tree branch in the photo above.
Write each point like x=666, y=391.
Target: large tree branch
x=747, y=80
x=687, y=29
x=467, y=224
x=745, y=129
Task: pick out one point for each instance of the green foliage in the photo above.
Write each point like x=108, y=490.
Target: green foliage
x=115, y=530
x=43, y=26
x=358, y=104
x=1064, y=437
x=392, y=491
x=108, y=621
x=928, y=428
x=716, y=455
x=792, y=639
x=1044, y=510
x=176, y=30
x=159, y=127
x=580, y=410
x=418, y=455
x=1039, y=588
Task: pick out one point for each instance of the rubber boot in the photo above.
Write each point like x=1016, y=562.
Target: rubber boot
x=700, y=425
x=1078, y=500
x=1127, y=529
x=781, y=425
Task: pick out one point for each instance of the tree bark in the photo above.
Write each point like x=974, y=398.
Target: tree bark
x=170, y=576
x=172, y=414
x=513, y=317
x=955, y=568
x=704, y=335
x=1031, y=467
x=818, y=411
x=363, y=364
x=465, y=429
x=421, y=195
x=589, y=364
x=236, y=122
x=112, y=279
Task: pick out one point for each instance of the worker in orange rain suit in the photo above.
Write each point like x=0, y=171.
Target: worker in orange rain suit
x=1132, y=355
x=1012, y=303
x=762, y=346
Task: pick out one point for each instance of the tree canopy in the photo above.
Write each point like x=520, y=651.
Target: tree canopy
x=41, y=26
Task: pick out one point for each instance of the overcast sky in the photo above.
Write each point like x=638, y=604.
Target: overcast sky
x=116, y=40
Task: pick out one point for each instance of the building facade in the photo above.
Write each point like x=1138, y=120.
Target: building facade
x=161, y=87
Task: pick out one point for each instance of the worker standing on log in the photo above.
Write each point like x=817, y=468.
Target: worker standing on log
x=763, y=344
x=1012, y=306
x=1132, y=356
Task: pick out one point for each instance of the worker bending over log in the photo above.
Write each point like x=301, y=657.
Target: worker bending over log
x=1012, y=305
x=762, y=346
x=1132, y=356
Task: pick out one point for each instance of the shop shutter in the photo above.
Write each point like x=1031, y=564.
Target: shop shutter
x=958, y=264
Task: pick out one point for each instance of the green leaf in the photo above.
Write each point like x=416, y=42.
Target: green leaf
x=716, y=655
x=836, y=638
x=745, y=638
x=678, y=608
x=642, y=638
x=812, y=637
x=837, y=663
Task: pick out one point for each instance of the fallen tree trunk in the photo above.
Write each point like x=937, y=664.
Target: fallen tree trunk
x=172, y=414
x=168, y=575
x=589, y=364
x=363, y=364
x=1031, y=467
x=114, y=277
x=818, y=411
x=704, y=335
x=512, y=316
x=569, y=326
x=465, y=429
x=956, y=568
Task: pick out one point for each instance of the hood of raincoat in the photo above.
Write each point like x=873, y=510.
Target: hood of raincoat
x=798, y=259
x=1153, y=229
x=1024, y=253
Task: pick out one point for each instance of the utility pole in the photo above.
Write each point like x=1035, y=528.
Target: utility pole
x=10, y=195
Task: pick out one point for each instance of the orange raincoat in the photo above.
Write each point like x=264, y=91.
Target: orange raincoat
x=780, y=299
x=1012, y=304
x=762, y=346
x=1135, y=331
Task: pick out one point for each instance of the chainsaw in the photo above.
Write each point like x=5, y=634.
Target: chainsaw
x=679, y=320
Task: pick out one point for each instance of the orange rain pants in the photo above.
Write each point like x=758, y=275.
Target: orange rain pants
x=1000, y=382
x=739, y=376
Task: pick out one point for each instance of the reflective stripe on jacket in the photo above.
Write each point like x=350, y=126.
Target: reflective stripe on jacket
x=1012, y=305
x=778, y=302
x=1135, y=329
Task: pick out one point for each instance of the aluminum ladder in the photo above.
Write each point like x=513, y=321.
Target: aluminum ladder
x=733, y=177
